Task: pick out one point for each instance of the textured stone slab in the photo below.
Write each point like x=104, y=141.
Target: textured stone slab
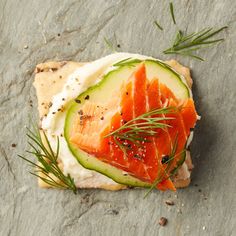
x=37, y=31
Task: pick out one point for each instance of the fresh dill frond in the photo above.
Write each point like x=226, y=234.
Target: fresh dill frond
x=140, y=128
x=166, y=174
x=172, y=12
x=47, y=169
x=158, y=25
x=128, y=62
x=109, y=45
x=187, y=44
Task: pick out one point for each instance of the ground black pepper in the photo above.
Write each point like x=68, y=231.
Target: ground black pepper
x=77, y=101
x=165, y=159
x=80, y=112
x=87, y=97
x=137, y=156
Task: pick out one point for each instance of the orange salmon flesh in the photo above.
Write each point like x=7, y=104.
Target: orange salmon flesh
x=144, y=159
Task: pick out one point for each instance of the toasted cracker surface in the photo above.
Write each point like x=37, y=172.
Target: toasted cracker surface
x=50, y=78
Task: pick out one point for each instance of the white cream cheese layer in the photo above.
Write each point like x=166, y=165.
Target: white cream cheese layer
x=53, y=124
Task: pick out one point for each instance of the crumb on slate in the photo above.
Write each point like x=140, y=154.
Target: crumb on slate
x=169, y=202
x=163, y=221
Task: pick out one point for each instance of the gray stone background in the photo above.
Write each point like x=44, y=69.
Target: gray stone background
x=36, y=31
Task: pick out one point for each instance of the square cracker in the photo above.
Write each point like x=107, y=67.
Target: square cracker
x=50, y=78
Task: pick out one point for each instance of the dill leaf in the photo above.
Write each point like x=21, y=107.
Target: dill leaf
x=47, y=169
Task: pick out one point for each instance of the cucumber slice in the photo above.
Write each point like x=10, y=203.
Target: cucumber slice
x=102, y=92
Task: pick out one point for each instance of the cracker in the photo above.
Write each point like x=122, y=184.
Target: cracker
x=50, y=78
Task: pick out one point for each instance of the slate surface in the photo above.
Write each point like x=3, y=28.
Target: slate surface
x=36, y=31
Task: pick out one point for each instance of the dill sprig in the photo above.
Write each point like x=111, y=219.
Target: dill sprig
x=109, y=45
x=128, y=62
x=186, y=44
x=172, y=12
x=158, y=25
x=48, y=169
x=140, y=128
x=171, y=157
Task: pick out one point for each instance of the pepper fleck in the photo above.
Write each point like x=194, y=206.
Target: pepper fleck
x=60, y=76
x=80, y=112
x=165, y=159
x=13, y=145
x=118, y=45
x=127, y=93
x=54, y=113
x=63, y=99
x=102, y=118
x=87, y=97
x=137, y=156
x=77, y=101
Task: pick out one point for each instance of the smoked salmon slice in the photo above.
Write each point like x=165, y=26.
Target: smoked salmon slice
x=101, y=131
